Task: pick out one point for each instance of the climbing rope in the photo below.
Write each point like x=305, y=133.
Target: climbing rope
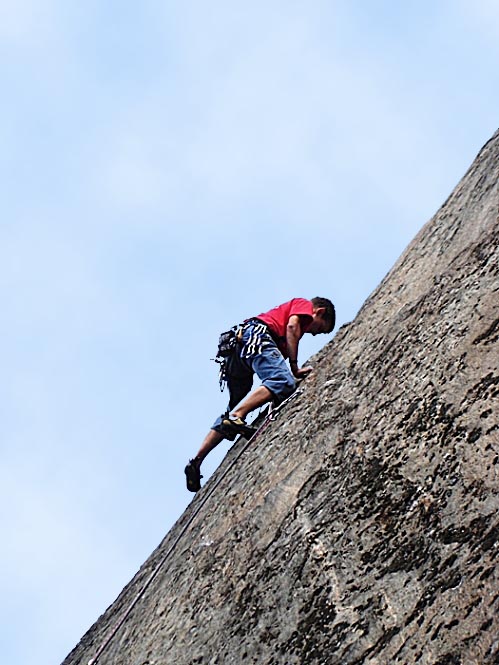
x=271, y=415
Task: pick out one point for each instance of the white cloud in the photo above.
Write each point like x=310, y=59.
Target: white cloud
x=284, y=120
x=29, y=24
x=280, y=123
x=484, y=16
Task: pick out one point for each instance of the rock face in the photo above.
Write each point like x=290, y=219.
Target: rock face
x=362, y=525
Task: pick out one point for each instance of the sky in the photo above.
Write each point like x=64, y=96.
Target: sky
x=168, y=169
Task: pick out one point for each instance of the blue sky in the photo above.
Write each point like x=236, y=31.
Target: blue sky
x=168, y=169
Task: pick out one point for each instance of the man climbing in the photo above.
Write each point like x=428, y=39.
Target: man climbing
x=260, y=346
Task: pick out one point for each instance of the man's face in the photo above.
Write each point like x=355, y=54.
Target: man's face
x=318, y=325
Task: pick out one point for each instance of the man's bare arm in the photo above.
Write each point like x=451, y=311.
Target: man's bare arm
x=293, y=335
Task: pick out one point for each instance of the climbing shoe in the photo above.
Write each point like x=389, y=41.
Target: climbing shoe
x=193, y=475
x=231, y=427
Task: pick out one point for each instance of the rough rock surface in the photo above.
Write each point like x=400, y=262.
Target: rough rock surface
x=363, y=526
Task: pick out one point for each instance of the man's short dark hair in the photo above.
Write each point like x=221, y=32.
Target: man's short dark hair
x=330, y=313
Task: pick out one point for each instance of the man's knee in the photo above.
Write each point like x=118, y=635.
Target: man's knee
x=281, y=386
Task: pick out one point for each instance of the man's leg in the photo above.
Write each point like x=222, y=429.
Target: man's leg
x=211, y=440
x=257, y=398
x=239, y=383
x=277, y=381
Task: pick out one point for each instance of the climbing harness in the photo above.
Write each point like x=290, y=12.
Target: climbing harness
x=268, y=416
x=232, y=341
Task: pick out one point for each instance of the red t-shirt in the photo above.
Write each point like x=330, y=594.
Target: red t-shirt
x=277, y=319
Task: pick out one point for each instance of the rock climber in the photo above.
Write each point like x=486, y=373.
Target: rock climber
x=261, y=346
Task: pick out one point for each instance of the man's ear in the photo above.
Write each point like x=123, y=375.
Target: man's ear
x=320, y=311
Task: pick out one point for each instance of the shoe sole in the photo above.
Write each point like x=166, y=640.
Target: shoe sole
x=193, y=484
x=234, y=430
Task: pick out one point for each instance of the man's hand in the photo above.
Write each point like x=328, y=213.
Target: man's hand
x=301, y=373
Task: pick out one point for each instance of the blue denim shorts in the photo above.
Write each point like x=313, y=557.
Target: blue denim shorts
x=268, y=364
